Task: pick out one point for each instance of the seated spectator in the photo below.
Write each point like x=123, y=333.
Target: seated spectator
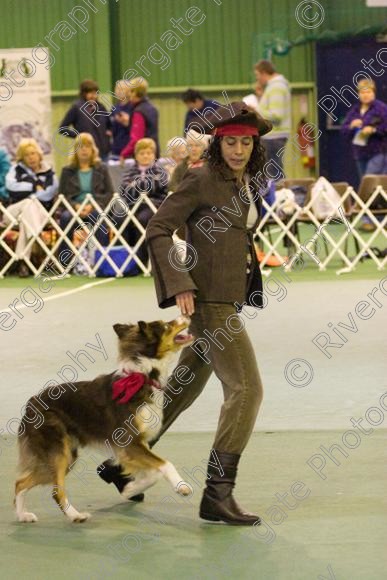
x=80, y=117
x=85, y=174
x=196, y=146
x=148, y=178
x=31, y=186
x=120, y=118
x=194, y=100
x=176, y=152
x=4, y=168
x=144, y=119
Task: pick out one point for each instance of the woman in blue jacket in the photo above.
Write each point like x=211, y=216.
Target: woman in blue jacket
x=31, y=187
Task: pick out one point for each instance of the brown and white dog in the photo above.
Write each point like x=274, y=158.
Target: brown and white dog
x=121, y=411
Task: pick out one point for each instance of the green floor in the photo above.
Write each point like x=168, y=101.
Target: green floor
x=339, y=529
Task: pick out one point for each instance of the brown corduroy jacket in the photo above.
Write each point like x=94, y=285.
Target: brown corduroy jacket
x=214, y=210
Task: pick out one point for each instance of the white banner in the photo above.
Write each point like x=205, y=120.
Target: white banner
x=25, y=101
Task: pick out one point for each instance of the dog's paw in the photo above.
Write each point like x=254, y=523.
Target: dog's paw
x=128, y=491
x=27, y=517
x=80, y=518
x=184, y=488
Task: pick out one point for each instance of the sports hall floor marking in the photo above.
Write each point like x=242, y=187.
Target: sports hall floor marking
x=66, y=293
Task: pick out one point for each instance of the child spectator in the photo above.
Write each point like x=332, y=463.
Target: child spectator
x=85, y=174
x=148, y=178
x=144, y=119
x=31, y=186
x=80, y=117
x=120, y=118
x=253, y=99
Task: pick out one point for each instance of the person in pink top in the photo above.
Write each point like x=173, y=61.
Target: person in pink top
x=143, y=122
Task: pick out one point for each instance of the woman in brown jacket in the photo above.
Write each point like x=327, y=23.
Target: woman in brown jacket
x=219, y=203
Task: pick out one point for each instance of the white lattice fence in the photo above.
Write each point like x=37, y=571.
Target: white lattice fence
x=350, y=218
x=106, y=220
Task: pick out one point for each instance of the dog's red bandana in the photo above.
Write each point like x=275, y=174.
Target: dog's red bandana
x=129, y=385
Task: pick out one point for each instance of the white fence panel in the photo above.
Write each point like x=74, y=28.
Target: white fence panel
x=287, y=229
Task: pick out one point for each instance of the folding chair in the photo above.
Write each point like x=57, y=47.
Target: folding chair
x=367, y=186
x=341, y=188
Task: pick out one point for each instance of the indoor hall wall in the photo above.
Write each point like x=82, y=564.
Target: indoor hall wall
x=347, y=15
x=220, y=50
x=84, y=54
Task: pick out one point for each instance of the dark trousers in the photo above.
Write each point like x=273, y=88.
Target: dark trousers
x=273, y=148
x=231, y=357
x=100, y=232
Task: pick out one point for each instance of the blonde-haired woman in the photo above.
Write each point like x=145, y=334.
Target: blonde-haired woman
x=85, y=174
x=144, y=118
x=366, y=126
x=31, y=185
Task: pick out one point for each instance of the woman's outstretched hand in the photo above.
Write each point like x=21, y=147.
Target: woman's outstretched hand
x=185, y=301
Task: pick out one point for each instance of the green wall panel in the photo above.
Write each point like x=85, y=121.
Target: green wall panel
x=219, y=50
x=86, y=54
x=349, y=15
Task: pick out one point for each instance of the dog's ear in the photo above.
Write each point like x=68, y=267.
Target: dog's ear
x=121, y=329
x=143, y=327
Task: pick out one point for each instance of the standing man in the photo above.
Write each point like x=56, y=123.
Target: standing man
x=220, y=275
x=274, y=105
x=196, y=105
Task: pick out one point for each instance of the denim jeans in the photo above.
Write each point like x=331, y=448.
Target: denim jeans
x=376, y=165
x=273, y=148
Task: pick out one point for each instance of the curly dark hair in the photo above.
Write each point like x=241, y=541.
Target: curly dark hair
x=255, y=165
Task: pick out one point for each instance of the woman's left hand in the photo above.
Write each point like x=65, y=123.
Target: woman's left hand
x=185, y=301
x=368, y=130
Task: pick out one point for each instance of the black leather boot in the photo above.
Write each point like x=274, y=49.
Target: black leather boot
x=112, y=473
x=218, y=503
